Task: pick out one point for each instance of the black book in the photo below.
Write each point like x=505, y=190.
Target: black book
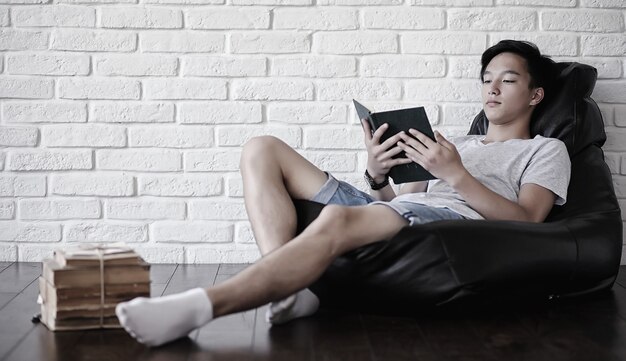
x=400, y=120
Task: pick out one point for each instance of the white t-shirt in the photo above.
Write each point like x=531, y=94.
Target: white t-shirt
x=503, y=167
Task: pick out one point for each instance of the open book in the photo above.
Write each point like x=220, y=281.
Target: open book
x=399, y=120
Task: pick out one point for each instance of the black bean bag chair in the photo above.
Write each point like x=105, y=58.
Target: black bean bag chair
x=576, y=251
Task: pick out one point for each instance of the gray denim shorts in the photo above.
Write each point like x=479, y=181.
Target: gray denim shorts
x=342, y=193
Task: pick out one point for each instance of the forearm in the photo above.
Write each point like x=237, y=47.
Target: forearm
x=488, y=203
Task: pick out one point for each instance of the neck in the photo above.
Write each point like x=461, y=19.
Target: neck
x=508, y=131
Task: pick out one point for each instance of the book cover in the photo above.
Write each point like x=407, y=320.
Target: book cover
x=400, y=120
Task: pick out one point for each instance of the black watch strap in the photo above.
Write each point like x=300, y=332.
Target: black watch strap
x=372, y=183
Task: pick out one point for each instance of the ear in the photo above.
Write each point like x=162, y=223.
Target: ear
x=537, y=97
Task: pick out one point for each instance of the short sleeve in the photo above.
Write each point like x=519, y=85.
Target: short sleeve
x=550, y=167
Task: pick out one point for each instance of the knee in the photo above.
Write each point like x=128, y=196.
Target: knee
x=258, y=148
x=333, y=224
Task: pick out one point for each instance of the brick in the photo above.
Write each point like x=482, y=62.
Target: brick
x=620, y=115
x=105, y=231
x=549, y=44
x=272, y=2
x=239, y=135
x=219, y=255
x=188, y=136
x=303, y=113
x=403, y=66
x=217, y=210
x=145, y=209
x=7, y=209
x=228, y=18
x=452, y=43
x=559, y=3
x=26, y=88
x=272, y=89
x=224, y=66
x=18, y=136
x=464, y=67
x=136, y=65
x=93, y=40
x=47, y=64
x=83, y=136
x=93, y=184
x=403, y=18
x=622, y=205
x=54, y=16
x=607, y=68
x=220, y=113
x=572, y=20
x=8, y=253
x=90, y=88
x=38, y=112
x=315, y=66
x=180, y=185
x=24, y=1
x=11, y=39
x=49, y=160
x=333, y=138
x=186, y=2
x=362, y=89
x=603, y=3
x=603, y=45
x=607, y=113
x=460, y=114
x=359, y=2
x=243, y=233
x=492, y=19
x=620, y=186
x=4, y=17
x=59, y=209
x=315, y=19
x=2, y=159
x=143, y=112
x=213, y=160
x=333, y=161
x=182, y=42
x=234, y=186
x=444, y=91
x=355, y=42
x=615, y=140
x=139, y=160
x=98, y=2
x=140, y=18
x=161, y=253
x=35, y=252
x=609, y=91
x=452, y=3
x=14, y=231
x=274, y=42
x=176, y=89
x=22, y=186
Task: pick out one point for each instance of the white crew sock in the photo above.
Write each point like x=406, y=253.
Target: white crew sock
x=302, y=304
x=155, y=321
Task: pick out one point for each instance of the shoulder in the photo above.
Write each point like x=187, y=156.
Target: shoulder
x=544, y=144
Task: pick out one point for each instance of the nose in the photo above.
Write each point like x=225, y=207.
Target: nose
x=493, y=89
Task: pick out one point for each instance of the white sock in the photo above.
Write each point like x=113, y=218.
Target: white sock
x=302, y=304
x=155, y=321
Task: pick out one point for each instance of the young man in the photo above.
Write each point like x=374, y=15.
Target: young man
x=504, y=175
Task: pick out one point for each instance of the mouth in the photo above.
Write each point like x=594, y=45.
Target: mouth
x=492, y=103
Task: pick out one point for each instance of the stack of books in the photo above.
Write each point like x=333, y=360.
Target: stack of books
x=80, y=287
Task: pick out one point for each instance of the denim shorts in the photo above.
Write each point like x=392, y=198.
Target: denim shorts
x=342, y=193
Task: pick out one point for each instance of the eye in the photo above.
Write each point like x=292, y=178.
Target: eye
x=486, y=81
x=508, y=81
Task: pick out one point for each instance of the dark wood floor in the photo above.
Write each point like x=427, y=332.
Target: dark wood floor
x=591, y=328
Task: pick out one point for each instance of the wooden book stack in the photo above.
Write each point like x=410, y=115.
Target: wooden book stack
x=80, y=287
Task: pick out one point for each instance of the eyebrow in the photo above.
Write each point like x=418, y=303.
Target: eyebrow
x=505, y=72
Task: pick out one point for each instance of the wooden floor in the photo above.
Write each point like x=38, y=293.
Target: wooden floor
x=592, y=328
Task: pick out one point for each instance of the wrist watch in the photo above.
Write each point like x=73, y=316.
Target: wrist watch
x=376, y=186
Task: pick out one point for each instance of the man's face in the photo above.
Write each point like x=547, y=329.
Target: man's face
x=505, y=92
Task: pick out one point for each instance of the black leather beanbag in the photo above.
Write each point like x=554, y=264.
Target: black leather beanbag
x=575, y=251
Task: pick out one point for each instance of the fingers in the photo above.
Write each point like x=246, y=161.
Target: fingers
x=366, y=129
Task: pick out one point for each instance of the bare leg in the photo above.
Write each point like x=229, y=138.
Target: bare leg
x=298, y=263
x=273, y=173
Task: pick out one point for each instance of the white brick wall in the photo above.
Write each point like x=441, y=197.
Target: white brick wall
x=124, y=121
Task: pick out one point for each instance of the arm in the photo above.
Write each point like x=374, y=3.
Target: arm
x=443, y=161
x=380, y=158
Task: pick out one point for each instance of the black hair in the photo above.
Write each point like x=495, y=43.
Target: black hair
x=540, y=67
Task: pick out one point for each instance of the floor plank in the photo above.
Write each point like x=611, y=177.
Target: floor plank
x=19, y=275
x=15, y=318
x=5, y=298
x=231, y=268
x=190, y=276
x=621, y=276
x=162, y=273
x=5, y=265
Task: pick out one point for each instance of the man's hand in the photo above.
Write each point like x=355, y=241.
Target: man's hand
x=379, y=156
x=440, y=158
